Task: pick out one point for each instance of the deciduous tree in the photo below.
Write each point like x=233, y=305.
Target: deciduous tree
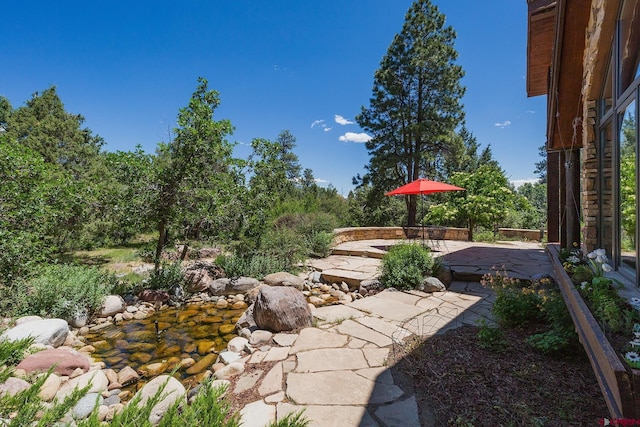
x=486, y=201
x=197, y=160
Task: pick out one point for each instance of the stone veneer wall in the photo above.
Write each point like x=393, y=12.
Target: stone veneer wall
x=590, y=175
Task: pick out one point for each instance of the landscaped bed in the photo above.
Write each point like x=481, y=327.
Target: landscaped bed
x=459, y=383
x=619, y=382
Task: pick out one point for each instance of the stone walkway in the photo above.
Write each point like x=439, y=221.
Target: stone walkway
x=340, y=372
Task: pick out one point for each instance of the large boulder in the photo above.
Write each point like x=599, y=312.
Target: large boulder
x=445, y=275
x=64, y=361
x=172, y=392
x=201, y=275
x=281, y=308
x=111, y=305
x=284, y=279
x=51, y=332
x=151, y=295
x=432, y=284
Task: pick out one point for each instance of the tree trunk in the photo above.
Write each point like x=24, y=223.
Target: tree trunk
x=471, y=226
x=162, y=234
x=411, y=210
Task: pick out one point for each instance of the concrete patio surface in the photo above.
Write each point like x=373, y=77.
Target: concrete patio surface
x=341, y=370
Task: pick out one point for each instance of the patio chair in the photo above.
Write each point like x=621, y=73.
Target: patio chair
x=436, y=235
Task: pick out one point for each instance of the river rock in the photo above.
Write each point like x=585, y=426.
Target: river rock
x=150, y=295
x=50, y=387
x=85, y=405
x=173, y=391
x=226, y=329
x=111, y=305
x=229, y=371
x=246, y=320
x=127, y=375
x=373, y=285
x=202, y=364
x=431, y=284
x=51, y=332
x=260, y=336
x=284, y=279
x=98, y=380
x=279, y=308
x=79, y=319
x=445, y=275
x=13, y=386
x=228, y=357
x=63, y=360
x=237, y=344
x=227, y=286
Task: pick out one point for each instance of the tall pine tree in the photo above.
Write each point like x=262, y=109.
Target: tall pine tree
x=415, y=104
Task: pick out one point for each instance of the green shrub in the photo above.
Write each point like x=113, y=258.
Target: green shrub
x=405, y=266
x=165, y=277
x=285, y=244
x=536, y=303
x=581, y=273
x=319, y=244
x=15, y=298
x=491, y=338
x=12, y=352
x=554, y=340
x=515, y=305
x=65, y=290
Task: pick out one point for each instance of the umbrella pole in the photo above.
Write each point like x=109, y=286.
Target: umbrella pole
x=422, y=217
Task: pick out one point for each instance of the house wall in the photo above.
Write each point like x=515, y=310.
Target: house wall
x=597, y=220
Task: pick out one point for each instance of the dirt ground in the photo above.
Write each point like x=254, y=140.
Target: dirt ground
x=457, y=383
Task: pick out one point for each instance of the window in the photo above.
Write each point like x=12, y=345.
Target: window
x=628, y=191
x=628, y=44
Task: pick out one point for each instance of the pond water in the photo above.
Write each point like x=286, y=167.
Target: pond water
x=156, y=344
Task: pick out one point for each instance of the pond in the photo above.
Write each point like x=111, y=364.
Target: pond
x=158, y=343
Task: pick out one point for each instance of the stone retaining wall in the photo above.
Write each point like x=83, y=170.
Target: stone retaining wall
x=534, y=235
x=392, y=233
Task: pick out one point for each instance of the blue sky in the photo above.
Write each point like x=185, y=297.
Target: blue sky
x=302, y=65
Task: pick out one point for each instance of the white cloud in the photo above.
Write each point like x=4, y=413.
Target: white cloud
x=317, y=123
x=342, y=121
x=326, y=129
x=518, y=182
x=530, y=112
x=320, y=181
x=502, y=125
x=354, y=137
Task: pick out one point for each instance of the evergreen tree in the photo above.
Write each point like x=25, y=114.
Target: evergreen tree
x=415, y=104
x=44, y=126
x=541, y=166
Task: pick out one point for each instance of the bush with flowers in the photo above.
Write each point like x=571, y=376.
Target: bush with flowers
x=615, y=315
x=632, y=353
x=533, y=305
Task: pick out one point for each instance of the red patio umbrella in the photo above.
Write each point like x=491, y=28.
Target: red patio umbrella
x=423, y=186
